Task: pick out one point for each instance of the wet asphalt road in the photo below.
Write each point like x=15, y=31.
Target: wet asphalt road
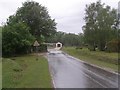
x=67, y=72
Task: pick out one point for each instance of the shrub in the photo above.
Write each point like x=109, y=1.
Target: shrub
x=113, y=46
x=79, y=47
x=91, y=48
x=41, y=48
x=16, y=39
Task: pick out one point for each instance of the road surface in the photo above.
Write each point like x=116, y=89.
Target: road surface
x=68, y=72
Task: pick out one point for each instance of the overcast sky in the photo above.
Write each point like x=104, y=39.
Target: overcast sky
x=68, y=14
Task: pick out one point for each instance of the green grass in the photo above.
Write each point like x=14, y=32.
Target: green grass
x=100, y=58
x=26, y=72
x=0, y=57
x=0, y=73
x=0, y=28
x=0, y=39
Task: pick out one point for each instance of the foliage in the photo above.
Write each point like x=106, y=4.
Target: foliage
x=81, y=38
x=16, y=39
x=41, y=48
x=113, y=46
x=37, y=18
x=70, y=39
x=67, y=39
x=56, y=38
x=30, y=22
x=99, y=21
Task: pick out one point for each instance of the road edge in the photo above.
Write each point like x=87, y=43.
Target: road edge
x=110, y=71
x=52, y=80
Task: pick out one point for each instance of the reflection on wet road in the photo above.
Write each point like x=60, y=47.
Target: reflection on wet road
x=67, y=72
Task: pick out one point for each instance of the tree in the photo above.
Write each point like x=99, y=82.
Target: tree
x=30, y=22
x=37, y=18
x=81, y=39
x=99, y=20
x=67, y=39
x=16, y=38
x=71, y=39
x=57, y=37
x=91, y=27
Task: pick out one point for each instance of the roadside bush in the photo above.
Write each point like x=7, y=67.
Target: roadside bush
x=43, y=48
x=91, y=48
x=113, y=46
x=79, y=47
x=16, y=39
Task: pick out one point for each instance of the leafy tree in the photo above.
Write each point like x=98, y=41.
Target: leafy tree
x=16, y=39
x=57, y=37
x=37, y=18
x=67, y=39
x=81, y=39
x=71, y=39
x=30, y=22
x=98, y=29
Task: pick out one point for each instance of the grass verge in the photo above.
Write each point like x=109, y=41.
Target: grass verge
x=0, y=73
x=99, y=58
x=25, y=72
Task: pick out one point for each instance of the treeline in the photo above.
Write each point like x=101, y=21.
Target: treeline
x=99, y=32
x=30, y=22
x=67, y=39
